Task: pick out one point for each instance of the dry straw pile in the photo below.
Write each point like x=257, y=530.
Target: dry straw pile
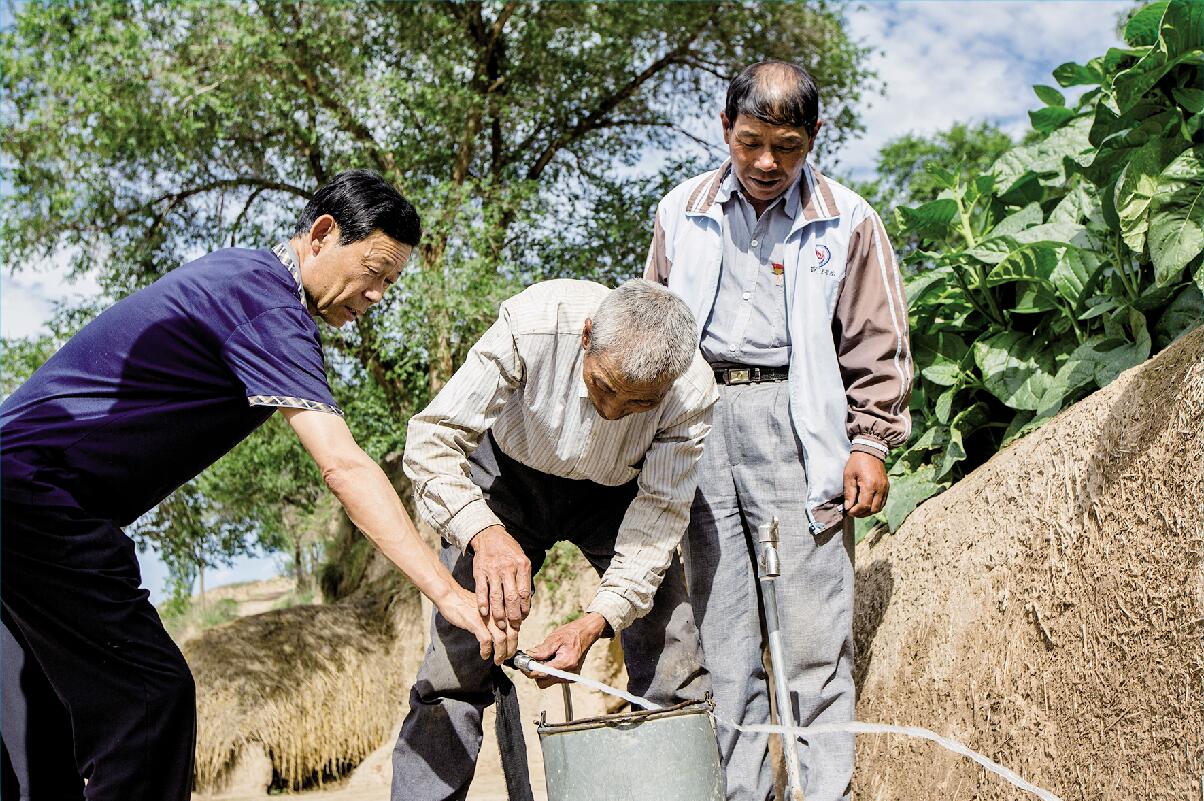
x=1046, y=610
x=317, y=686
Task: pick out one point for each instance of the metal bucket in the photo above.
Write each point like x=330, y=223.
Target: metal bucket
x=667, y=754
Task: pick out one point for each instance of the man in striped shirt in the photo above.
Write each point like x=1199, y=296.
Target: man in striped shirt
x=803, y=319
x=580, y=415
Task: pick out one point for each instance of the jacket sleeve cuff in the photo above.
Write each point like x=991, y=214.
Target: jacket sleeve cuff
x=867, y=443
x=473, y=518
x=617, y=610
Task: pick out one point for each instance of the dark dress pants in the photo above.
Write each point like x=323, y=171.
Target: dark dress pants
x=93, y=686
x=437, y=748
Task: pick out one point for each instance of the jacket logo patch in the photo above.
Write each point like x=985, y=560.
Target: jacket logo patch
x=822, y=257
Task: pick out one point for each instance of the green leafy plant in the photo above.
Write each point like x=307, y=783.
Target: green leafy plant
x=1073, y=258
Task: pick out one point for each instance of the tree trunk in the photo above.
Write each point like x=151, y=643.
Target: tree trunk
x=200, y=571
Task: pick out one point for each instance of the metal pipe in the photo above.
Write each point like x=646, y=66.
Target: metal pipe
x=568, y=703
x=769, y=569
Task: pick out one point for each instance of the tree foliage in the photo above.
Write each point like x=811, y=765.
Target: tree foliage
x=534, y=138
x=902, y=174
x=1072, y=258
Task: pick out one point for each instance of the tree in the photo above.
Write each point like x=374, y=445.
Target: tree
x=903, y=173
x=533, y=137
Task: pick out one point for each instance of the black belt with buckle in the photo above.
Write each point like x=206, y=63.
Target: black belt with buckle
x=750, y=375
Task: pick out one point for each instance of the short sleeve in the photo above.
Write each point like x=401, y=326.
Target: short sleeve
x=278, y=358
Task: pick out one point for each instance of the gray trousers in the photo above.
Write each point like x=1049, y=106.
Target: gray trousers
x=751, y=470
x=436, y=752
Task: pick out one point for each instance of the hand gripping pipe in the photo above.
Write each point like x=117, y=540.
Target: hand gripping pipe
x=768, y=571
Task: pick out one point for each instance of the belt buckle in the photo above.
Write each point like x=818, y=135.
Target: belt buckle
x=742, y=376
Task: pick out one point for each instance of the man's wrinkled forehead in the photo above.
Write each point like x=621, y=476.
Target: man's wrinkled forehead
x=746, y=127
x=383, y=254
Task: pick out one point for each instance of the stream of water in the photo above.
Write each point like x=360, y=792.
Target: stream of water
x=855, y=727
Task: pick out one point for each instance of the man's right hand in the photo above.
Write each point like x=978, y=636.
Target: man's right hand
x=503, y=577
x=460, y=609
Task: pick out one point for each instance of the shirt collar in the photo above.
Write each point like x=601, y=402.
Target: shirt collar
x=790, y=200
x=288, y=257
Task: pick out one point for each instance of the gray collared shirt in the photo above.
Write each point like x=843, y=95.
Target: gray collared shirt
x=748, y=321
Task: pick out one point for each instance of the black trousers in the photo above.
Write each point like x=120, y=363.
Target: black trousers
x=93, y=687
x=440, y=740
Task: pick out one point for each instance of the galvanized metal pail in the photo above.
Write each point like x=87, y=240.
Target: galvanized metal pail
x=668, y=754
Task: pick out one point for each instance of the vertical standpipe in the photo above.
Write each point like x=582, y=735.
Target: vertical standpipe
x=768, y=571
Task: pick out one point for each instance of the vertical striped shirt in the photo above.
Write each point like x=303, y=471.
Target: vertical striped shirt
x=523, y=379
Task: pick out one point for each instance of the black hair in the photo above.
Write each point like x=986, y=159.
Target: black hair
x=362, y=202
x=774, y=92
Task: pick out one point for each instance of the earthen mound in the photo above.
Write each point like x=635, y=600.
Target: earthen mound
x=1046, y=610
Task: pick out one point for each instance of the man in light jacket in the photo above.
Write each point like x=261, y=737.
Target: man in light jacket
x=803, y=320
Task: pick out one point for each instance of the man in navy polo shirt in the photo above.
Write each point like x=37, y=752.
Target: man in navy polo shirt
x=146, y=396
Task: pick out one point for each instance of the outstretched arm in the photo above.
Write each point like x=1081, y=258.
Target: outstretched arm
x=373, y=506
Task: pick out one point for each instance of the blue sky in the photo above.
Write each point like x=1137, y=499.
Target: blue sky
x=940, y=63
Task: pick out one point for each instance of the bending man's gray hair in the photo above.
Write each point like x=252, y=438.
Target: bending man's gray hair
x=647, y=329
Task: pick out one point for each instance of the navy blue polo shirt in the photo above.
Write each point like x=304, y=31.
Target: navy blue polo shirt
x=161, y=385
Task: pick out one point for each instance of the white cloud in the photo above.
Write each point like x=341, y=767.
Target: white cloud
x=27, y=298
x=943, y=63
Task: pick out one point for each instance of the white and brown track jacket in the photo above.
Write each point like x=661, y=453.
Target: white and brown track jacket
x=850, y=360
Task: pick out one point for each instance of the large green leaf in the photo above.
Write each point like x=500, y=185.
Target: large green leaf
x=1050, y=118
x=1029, y=263
x=930, y=220
x=1034, y=299
x=1117, y=352
x=930, y=281
x=1045, y=156
x=1071, y=74
x=1049, y=96
x=944, y=404
x=1137, y=185
x=1183, y=27
x=1060, y=233
x=1191, y=99
x=907, y=491
x=1027, y=217
x=997, y=248
x=1175, y=233
x=966, y=422
x=1016, y=368
x=1180, y=40
x=1080, y=203
x=1184, y=313
x=1142, y=28
x=1076, y=371
x=1077, y=275
x=942, y=372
